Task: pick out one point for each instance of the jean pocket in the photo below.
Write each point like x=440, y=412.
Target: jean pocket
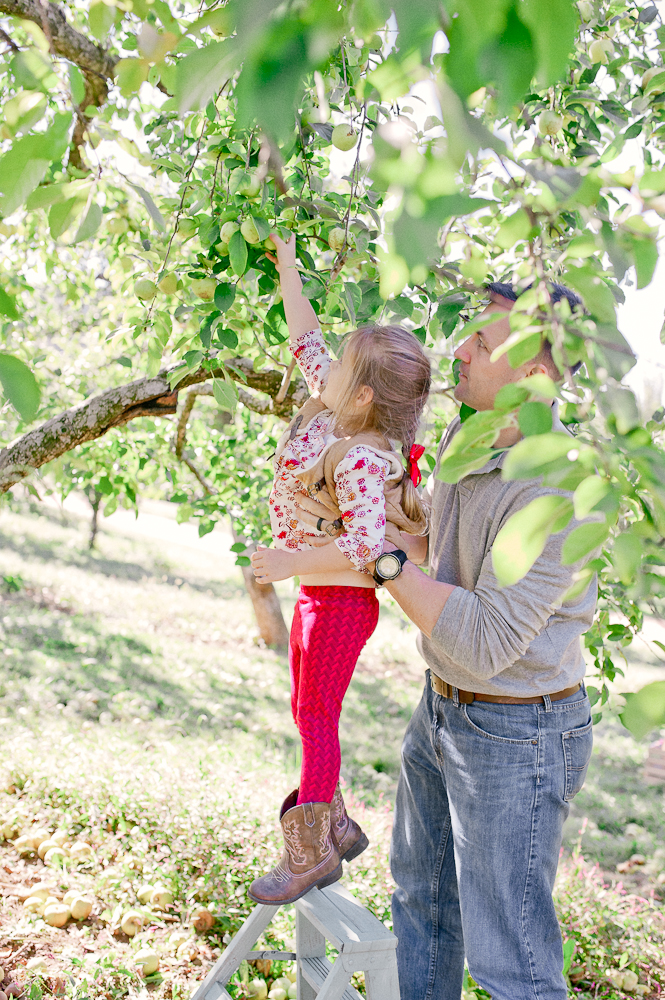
x=577, y=747
x=501, y=726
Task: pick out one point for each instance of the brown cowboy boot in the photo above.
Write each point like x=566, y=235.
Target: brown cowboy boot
x=350, y=839
x=310, y=859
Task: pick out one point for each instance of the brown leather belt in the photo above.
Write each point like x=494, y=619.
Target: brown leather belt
x=467, y=697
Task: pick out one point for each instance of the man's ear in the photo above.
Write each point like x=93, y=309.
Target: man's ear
x=365, y=396
x=535, y=368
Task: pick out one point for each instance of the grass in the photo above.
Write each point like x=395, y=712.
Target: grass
x=141, y=715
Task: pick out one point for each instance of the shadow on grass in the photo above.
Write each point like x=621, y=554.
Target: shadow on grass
x=55, y=551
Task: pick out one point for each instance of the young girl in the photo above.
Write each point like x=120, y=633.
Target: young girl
x=336, y=476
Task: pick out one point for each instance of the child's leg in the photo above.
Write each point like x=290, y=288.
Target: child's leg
x=336, y=623
x=295, y=655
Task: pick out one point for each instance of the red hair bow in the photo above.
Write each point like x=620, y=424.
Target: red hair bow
x=416, y=453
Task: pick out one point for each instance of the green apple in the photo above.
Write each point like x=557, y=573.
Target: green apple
x=147, y=961
x=187, y=227
x=277, y=994
x=227, y=231
x=257, y=988
x=161, y=896
x=79, y=849
x=249, y=231
x=648, y=77
x=344, y=137
x=250, y=187
x=145, y=289
x=601, y=50
x=585, y=8
x=336, y=239
x=56, y=914
x=132, y=922
x=81, y=907
x=204, y=288
x=549, y=123
x=117, y=226
x=56, y=856
x=169, y=284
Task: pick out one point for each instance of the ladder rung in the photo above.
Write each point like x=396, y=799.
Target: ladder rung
x=315, y=971
x=275, y=956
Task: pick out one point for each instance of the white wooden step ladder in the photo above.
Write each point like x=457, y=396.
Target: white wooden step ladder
x=331, y=914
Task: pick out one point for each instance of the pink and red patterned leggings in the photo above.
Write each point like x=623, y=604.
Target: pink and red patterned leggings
x=330, y=627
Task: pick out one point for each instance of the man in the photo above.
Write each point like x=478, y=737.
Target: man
x=501, y=739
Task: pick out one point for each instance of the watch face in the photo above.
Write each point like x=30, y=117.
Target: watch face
x=388, y=566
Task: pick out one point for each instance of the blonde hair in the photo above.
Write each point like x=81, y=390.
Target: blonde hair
x=392, y=362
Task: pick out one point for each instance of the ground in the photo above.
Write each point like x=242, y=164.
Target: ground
x=141, y=716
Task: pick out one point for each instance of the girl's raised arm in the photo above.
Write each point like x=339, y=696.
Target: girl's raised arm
x=300, y=316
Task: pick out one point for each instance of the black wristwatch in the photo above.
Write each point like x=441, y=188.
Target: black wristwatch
x=389, y=566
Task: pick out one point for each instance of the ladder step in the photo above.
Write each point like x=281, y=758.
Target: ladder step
x=315, y=971
x=216, y=992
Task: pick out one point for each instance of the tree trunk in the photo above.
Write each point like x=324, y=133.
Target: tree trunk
x=95, y=500
x=268, y=613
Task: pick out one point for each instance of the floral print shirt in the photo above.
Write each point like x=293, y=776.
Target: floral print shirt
x=359, y=477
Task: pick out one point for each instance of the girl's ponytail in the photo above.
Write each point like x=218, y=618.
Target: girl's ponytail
x=412, y=502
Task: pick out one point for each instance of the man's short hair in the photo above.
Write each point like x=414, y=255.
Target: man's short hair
x=557, y=293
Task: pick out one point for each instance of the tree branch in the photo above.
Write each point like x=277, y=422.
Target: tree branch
x=94, y=62
x=145, y=397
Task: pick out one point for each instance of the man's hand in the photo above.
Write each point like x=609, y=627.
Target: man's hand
x=270, y=565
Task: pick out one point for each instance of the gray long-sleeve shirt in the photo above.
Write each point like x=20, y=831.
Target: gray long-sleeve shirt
x=518, y=641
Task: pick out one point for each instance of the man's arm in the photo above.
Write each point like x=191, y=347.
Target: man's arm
x=420, y=598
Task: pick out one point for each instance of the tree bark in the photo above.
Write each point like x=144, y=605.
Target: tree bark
x=145, y=397
x=267, y=611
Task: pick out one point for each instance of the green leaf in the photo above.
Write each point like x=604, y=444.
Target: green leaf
x=225, y=294
x=645, y=255
x=226, y=339
x=8, y=305
x=416, y=237
x=89, y=225
x=238, y=254
x=202, y=73
x=535, y=418
x=653, y=181
x=63, y=214
x=24, y=165
x=471, y=447
x=583, y=540
x=524, y=535
x=553, y=25
x=50, y=194
x=153, y=211
x=448, y=313
x=534, y=455
x=509, y=61
x=131, y=73
x=627, y=556
x=101, y=18
x=645, y=709
x=516, y=227
x=589, y=493
x=226, y=394
x=598, y=299
x=274, y=325
x=262, y=227
x=19, y=386
x=76, y=82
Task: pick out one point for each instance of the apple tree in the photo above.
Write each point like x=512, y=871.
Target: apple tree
x=418, y=150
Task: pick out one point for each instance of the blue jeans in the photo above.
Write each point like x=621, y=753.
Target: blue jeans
x=483, y=793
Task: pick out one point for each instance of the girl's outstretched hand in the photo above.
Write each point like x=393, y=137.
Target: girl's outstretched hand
x=270, y=565
x=285, y=252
